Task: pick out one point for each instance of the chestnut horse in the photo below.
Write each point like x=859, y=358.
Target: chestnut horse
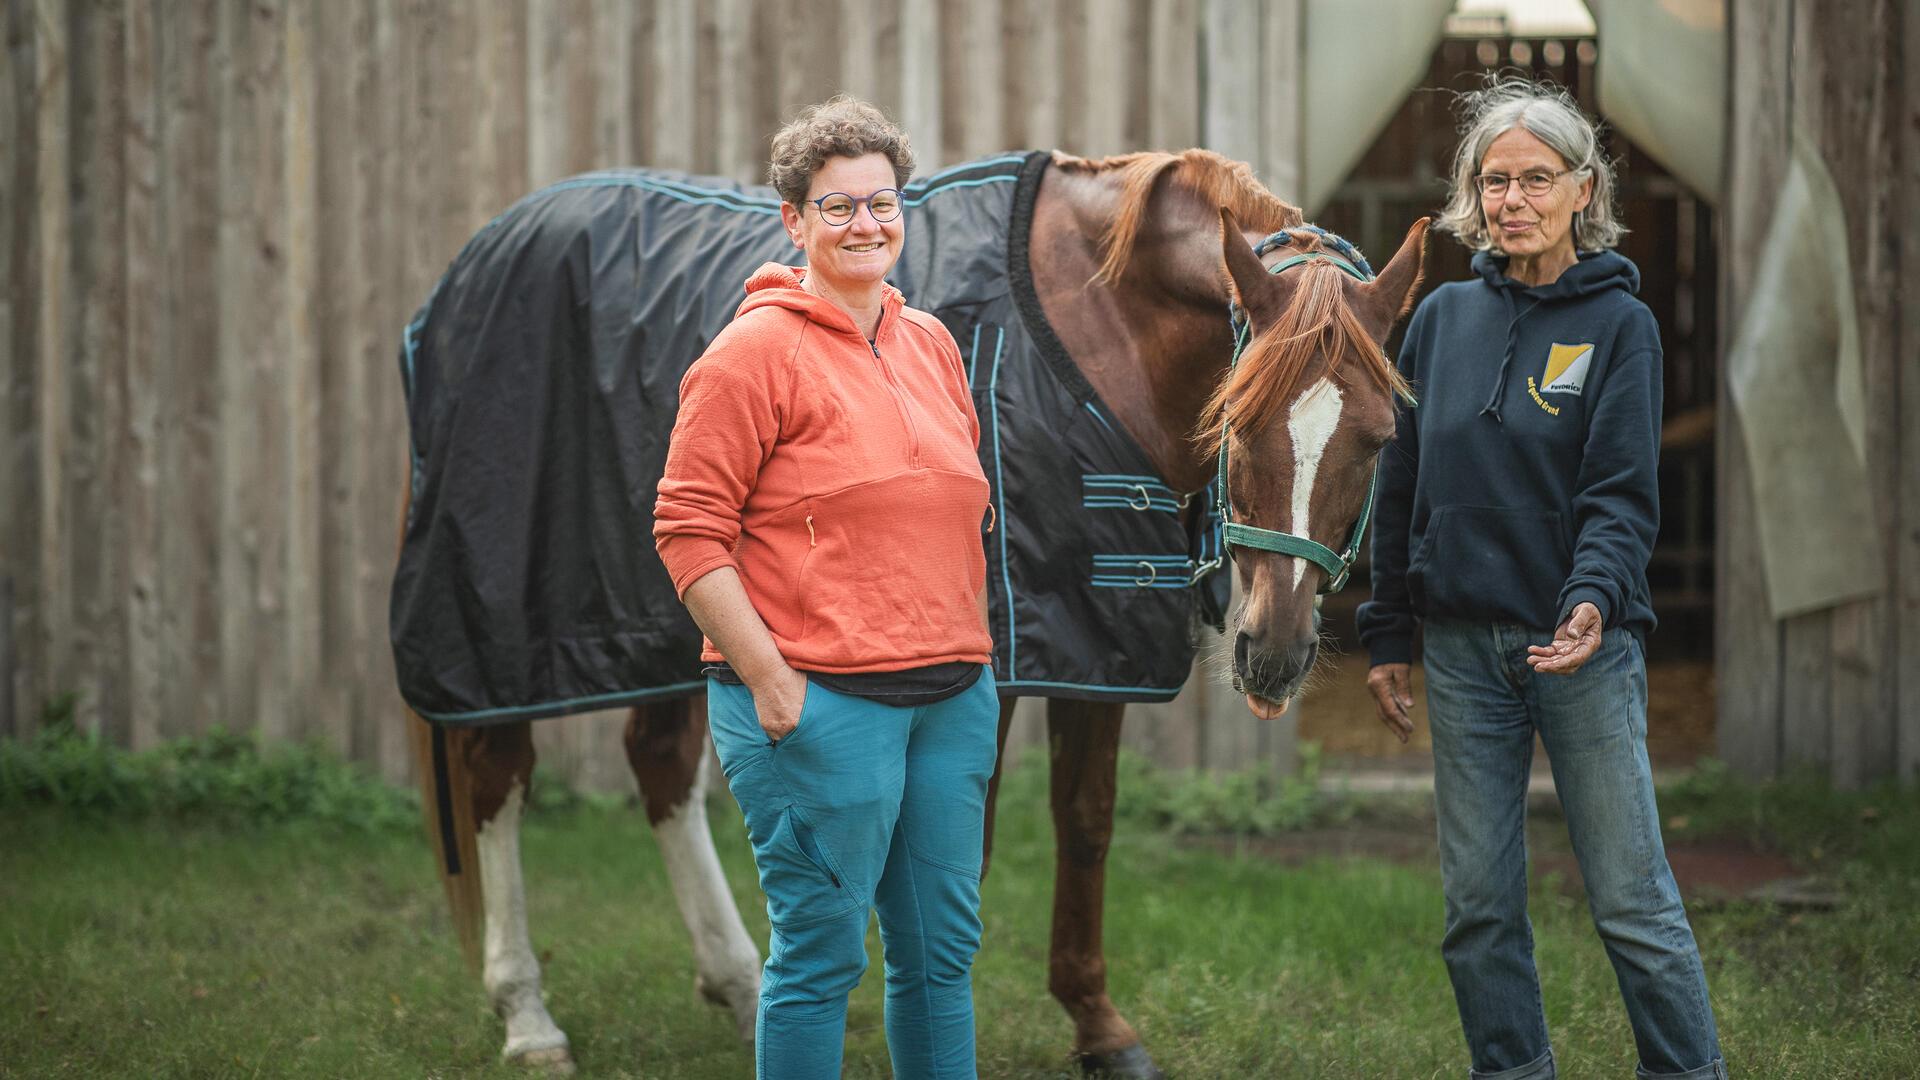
x=1136, y=260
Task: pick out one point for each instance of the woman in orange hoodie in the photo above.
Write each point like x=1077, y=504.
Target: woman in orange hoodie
x=820, y=515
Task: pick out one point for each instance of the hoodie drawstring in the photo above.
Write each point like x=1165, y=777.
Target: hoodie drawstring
x=1492, y=408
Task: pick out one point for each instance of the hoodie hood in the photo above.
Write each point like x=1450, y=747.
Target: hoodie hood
x=779, y=285
x=1593, y=272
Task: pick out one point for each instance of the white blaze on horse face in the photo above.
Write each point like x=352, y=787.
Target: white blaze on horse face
x=1311, y=423
x=512, y=971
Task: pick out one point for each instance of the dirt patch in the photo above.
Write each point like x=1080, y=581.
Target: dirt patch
x=1337, y=712
x=1708, y=871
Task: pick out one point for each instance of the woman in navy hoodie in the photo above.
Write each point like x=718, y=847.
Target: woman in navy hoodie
x=1517, y=508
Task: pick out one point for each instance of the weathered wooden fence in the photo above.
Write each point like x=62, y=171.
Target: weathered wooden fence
x=217, y=214
x=1837, y=688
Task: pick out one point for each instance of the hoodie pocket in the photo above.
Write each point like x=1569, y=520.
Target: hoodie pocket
x=1488, y=562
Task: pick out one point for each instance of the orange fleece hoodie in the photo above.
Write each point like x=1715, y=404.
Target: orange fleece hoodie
x=840, y=479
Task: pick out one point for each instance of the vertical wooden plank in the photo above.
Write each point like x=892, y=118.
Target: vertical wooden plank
x=807, y=59
x=256, y=254
x=1034, y=48
x=300, y=386
x=860, y=27
x=1848, y=77
x=1070, y=18
x=21, y=597
x=140, y=478
x=1282, y=80
x=974, y=80
x=1806, y=691
x=737, y=140
x=342, y=617
x=393, y=97
x=673, y=81
x=614, y=71
x=920, y=85
x=1747, y=641
x=374, y=250
x=1232, y=65
x=96, y=289
x=1173, y=74
x=562, y=90
x=54, y=604
x=193, y=63
x=500, y=120
x=1907, y=529
x=1106, y=80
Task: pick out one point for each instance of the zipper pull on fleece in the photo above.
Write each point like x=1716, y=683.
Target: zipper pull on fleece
x=811, y=542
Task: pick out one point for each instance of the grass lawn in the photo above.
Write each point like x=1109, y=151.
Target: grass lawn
x=160, y=948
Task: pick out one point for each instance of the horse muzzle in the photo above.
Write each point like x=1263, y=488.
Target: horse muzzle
x=1270, y=677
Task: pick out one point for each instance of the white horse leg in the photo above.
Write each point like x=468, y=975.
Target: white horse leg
x=667, y=747
x=512, y=971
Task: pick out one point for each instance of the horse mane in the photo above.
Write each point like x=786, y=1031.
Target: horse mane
x=1317, y=322
x=1217, y=180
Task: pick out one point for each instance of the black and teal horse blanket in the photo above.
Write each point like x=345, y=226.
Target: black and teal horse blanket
x=542, y=376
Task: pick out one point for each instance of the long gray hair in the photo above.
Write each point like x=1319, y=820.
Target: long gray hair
x=1550, y=115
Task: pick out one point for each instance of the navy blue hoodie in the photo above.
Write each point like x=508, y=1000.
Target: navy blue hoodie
x=1524, y=482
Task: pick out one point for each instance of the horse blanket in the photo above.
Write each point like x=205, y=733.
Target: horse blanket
x=542, y=376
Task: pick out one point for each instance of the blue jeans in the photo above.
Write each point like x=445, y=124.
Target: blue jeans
x=864, y=806
x=1484, y=705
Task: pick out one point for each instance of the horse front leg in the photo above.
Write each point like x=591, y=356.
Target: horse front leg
x=500, y=759
x=1084, y=744
x=667, y=748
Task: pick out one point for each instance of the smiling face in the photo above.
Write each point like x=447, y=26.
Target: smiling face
x=1527, y=226
x=856, y=256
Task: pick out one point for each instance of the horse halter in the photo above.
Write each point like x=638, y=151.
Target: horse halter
x=1337, y=564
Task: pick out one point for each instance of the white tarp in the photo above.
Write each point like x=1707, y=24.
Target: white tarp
x=1663, y=82
x=1362, y=58
x=1799, y=393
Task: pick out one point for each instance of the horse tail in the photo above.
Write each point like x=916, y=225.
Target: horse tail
x=446, y=782
x=446, y=787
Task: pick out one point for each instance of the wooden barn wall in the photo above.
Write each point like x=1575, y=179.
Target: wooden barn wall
x=216, y=217
x=1837, y=690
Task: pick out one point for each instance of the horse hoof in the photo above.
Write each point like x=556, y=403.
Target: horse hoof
x=744, y=1001
x=552, y=1061
x=1131, y=1063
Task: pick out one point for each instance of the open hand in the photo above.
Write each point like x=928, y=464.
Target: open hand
x=1574, y=643
x=1393, y=697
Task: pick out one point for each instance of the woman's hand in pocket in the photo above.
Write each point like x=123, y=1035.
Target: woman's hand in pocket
x=778, y=698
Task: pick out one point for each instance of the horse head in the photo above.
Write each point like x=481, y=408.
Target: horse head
x=1299, y=422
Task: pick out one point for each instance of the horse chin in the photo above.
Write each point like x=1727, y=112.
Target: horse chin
x=1267, y=709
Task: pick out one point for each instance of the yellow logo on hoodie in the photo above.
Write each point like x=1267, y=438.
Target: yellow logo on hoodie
x=1566, y=369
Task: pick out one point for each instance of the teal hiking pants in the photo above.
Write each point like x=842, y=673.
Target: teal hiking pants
x=862, y=807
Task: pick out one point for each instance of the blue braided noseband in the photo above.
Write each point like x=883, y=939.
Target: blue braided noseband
x=1332, y=241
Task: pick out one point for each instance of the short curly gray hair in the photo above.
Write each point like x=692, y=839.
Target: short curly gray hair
x=1551, y=115
x=843, y=126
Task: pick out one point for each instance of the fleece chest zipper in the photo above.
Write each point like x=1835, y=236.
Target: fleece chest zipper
x=900, y=402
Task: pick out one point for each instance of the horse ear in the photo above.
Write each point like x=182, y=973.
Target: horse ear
x=1390, y=296
x=1248, y=282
